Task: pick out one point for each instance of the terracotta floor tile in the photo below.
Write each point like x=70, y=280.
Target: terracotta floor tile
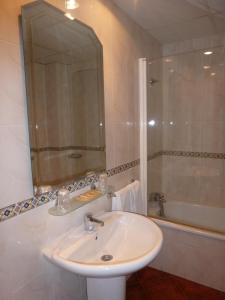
x=151, y=284
x=135, y=292
x=165, y=291
x=196, y=291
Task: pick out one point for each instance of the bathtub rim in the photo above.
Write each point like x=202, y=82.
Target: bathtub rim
x=188, y=228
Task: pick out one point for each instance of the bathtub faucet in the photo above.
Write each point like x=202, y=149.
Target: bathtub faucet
x=159, y=197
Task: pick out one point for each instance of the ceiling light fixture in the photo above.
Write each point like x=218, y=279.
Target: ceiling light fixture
x=206, y=67
x=208, y=52
x=71, y=4
x=213, y=74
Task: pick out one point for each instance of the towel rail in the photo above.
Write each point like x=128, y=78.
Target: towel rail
x=113, y=194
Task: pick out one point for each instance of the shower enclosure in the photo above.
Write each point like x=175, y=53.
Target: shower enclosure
x=186, y=138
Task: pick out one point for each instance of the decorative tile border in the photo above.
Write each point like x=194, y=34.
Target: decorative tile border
x=211, y=155
x=26, y=205
x=194, y=154
x=123, y=167
x=66, y=148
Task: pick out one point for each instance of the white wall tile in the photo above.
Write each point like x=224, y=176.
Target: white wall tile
x=193, y=115
x=193, y=257
x=24, y=274
x=15, y=178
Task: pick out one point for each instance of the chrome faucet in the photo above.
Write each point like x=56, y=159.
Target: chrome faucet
x=161, y=205
x=89, y=221
x=159, y=197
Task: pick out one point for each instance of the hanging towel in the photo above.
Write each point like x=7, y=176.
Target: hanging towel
x=127, y=198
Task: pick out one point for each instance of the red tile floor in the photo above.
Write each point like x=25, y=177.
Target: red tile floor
x=151, y=284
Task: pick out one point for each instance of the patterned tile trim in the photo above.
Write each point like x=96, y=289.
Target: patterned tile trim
x=46, y=149
x=26, y=205
x=187, y=154
x=195, y=154
x=123, y=167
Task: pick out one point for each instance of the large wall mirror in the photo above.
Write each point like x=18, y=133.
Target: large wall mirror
x=64, y=83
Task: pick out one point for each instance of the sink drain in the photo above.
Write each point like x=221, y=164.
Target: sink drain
x=106, y=257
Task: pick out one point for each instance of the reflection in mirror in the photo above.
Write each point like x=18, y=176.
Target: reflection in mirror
x=64, y=83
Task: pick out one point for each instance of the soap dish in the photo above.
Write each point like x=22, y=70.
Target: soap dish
x=89, y=196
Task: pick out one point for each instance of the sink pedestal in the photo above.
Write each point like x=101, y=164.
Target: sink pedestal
x=112, y=288
x=125, y=244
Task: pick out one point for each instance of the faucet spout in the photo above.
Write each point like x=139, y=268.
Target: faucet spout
x=159, y=197
x=89, y=220
x=92, y=219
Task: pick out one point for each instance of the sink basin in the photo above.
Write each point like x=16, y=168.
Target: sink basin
x=131, y=241
x=126, y=243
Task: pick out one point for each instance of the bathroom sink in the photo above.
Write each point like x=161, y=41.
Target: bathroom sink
x=126, y=243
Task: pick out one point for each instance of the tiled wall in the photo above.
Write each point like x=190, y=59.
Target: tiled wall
x=190, y=166
x=194, y=110
x=23, y=272
x=191, y=256
x=193, y=104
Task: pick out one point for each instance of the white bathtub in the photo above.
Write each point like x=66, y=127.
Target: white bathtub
x=206, y=217
x=195, y=252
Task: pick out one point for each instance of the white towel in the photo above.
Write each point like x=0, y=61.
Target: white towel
x=127, y=198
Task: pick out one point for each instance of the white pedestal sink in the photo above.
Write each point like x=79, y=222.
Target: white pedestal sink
x=126, y=243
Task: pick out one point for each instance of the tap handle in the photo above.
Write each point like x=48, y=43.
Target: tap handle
x=162, y=198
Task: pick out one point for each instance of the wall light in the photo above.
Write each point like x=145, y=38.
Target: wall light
x=71, y=4
x=213, y=74
x=206, y=67
x=208, y=52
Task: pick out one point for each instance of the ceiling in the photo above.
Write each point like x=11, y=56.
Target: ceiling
x=177, y=20
x=49, y=37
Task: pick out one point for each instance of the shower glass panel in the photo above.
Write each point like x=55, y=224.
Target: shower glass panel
x=186, y=139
